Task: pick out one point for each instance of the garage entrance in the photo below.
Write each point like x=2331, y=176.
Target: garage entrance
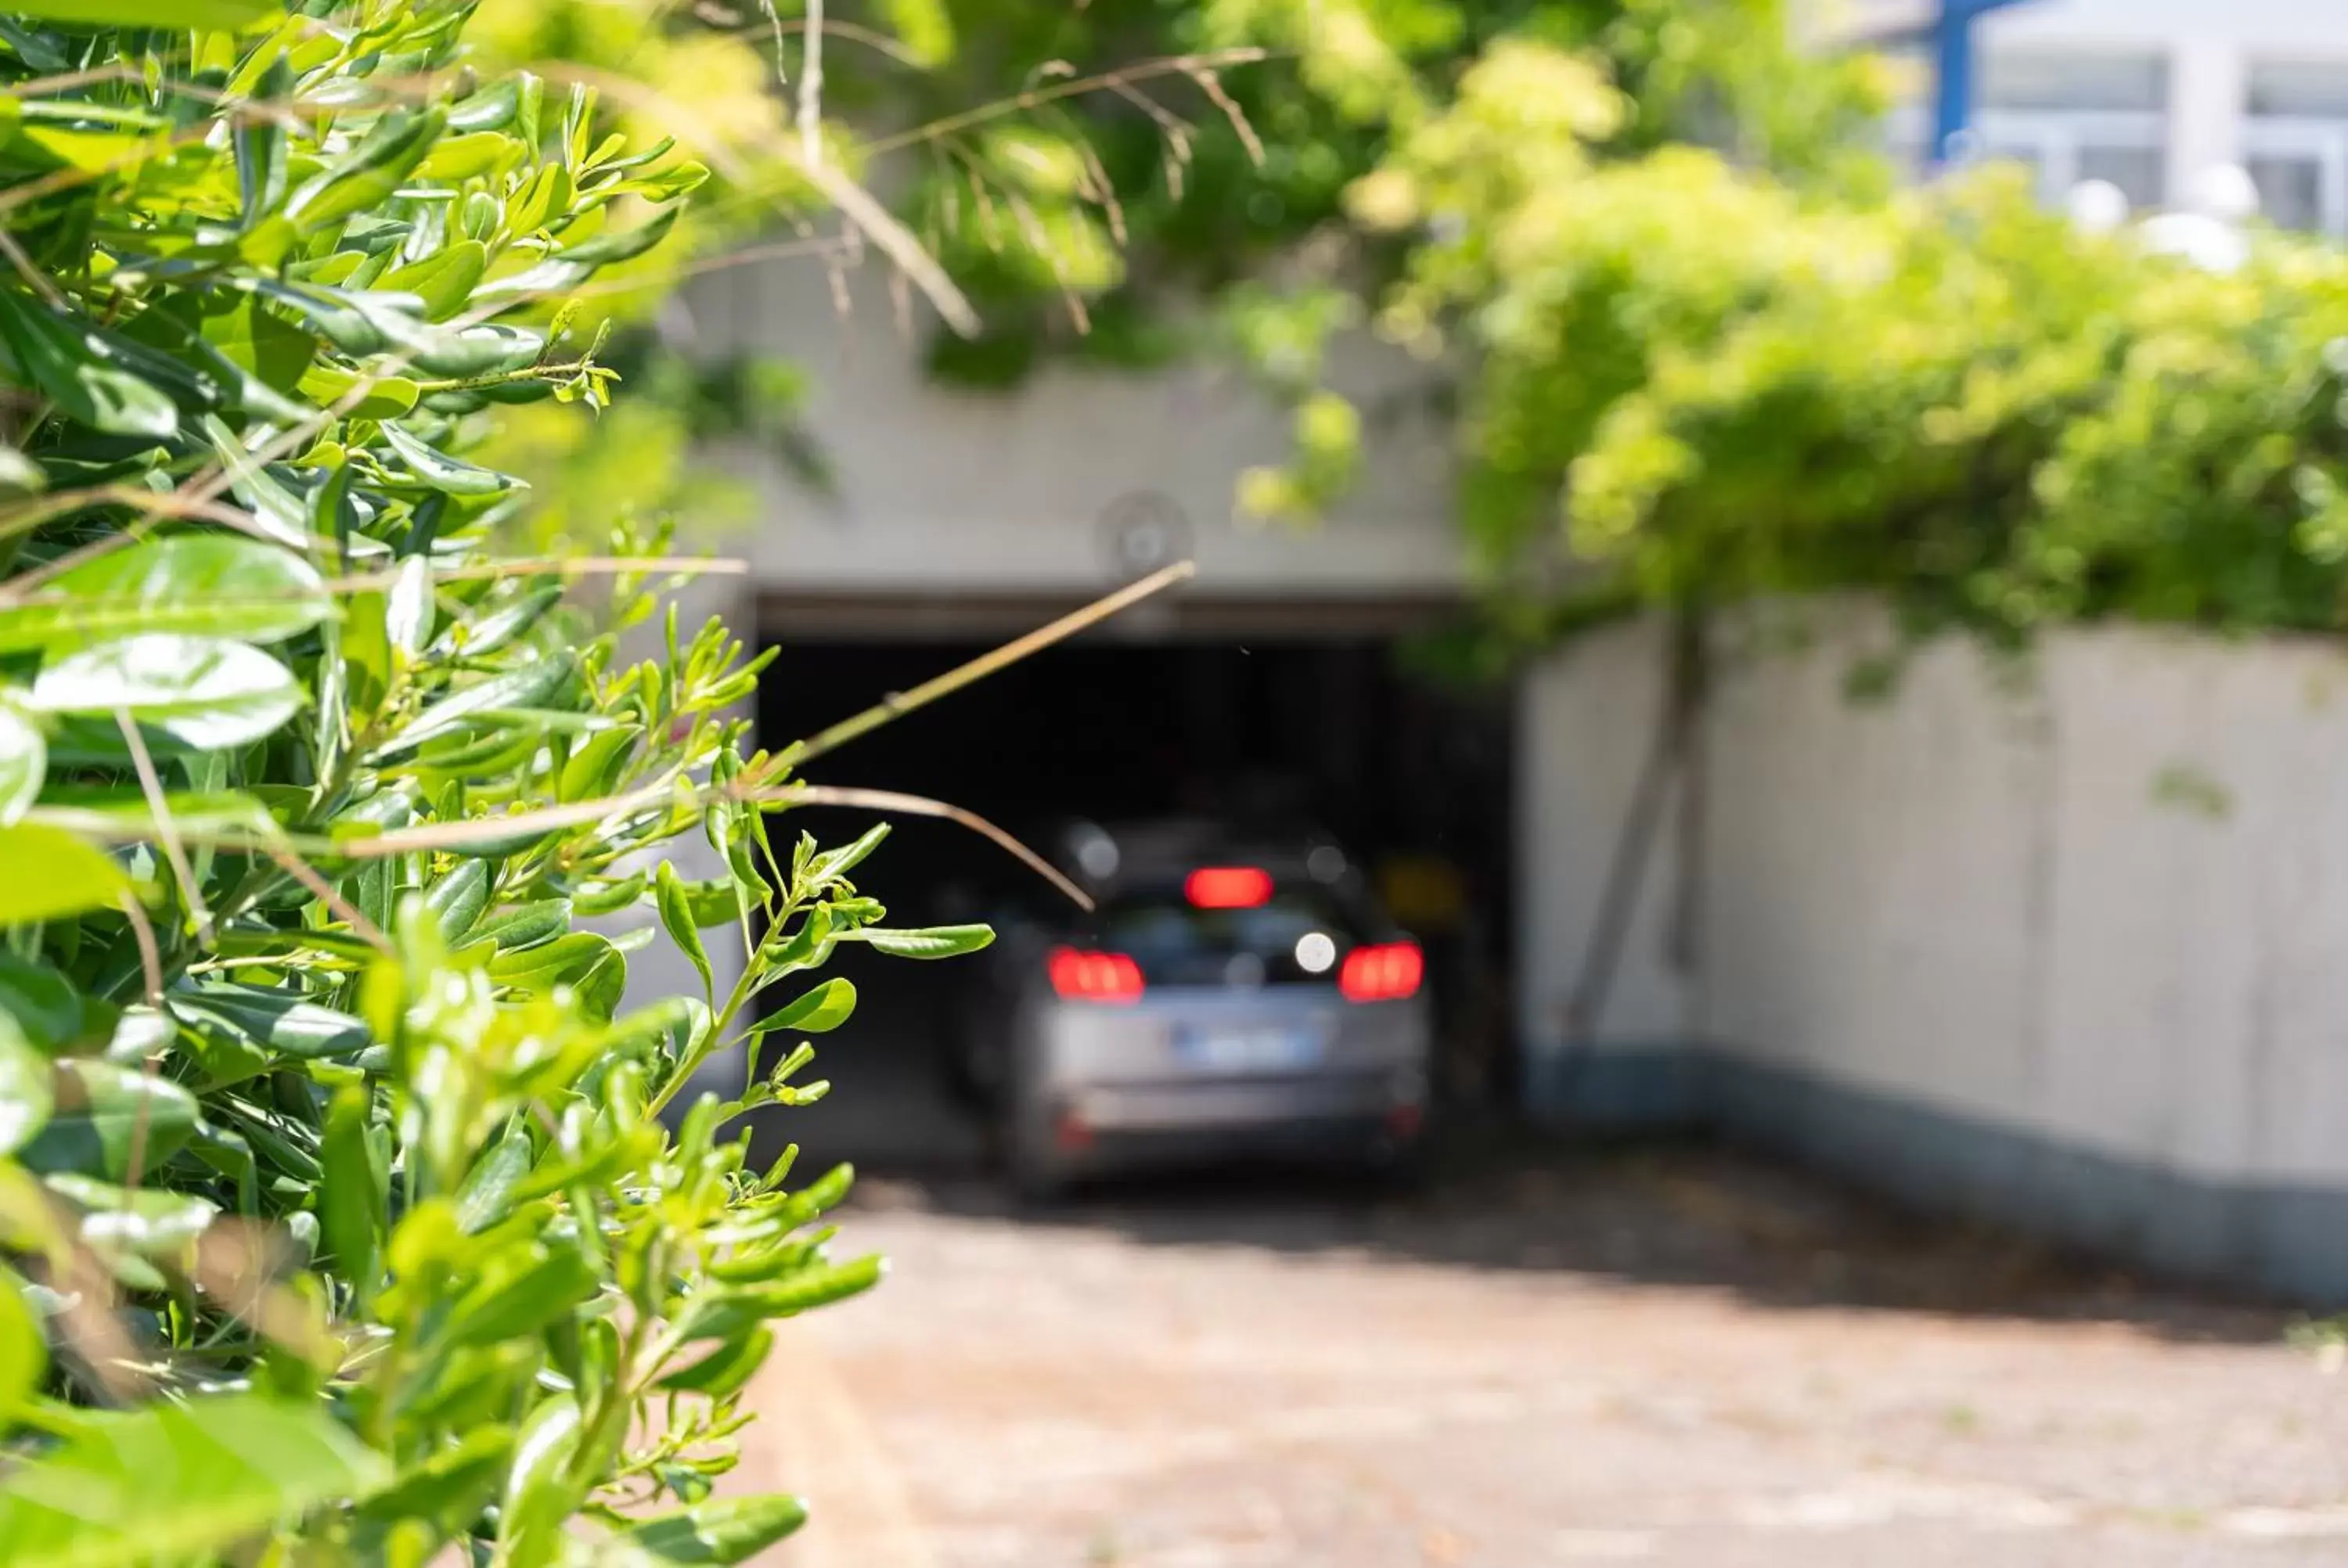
x=1264, y=713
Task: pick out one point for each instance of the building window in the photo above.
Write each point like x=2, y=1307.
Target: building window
x=2076, y=116
x=2066, y=117
x=2295, y=143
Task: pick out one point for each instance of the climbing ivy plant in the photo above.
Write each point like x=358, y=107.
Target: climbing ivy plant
x=348, y=1211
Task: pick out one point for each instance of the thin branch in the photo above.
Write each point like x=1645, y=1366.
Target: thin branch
x=879, y=42
x=485, y=829
x=150, y=958
x=811, y=104
x=29, y=272
x=1210, y=85
x=1074, y=87
x=900, y=703
x=47, y=508
x=150, y=964
x=923, y=806
x=555, y=566
x=165, y=828
x=854, y=202
x=302, y=871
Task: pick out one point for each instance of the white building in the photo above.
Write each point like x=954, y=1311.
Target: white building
x=2151, y=95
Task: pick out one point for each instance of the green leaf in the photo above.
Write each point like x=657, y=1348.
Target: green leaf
x=822, y=1010
x=488, y=1186
x=444, y=281
x=102, y=1111
x=519, y=688
x=480, y=639
x=924, y=26
x=726, y=1369
x=722, y=1529
x=23, y=763
x=606, y=249
x=273, y=350
x=929, y=942
x=366, y=176
x=206, y=692
x=524, y=924
x=407, y=609
x=277, y=1021
x=143, y=1224
x=475, y=153
x=457, y=900
x=41, y=1003
x=216, y=585
x=539, y=1495
x=19, y=474
x=508, y=1302
x=352, y=1192
x=51, y=873
x=449, y=1487
x=179, y=1482
x=385, y=398
x=438, y=471
x=169, y=16
x=544, y=966
x=677, y=916
x=81, y=372
x=721, y=1314
x=25, y=1102
x=23, y=1353
x=834, y=864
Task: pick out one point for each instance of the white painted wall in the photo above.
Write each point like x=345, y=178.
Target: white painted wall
x=948, y=491
x=1982, y=896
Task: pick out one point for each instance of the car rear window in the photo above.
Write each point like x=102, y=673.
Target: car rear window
x=1177, y=943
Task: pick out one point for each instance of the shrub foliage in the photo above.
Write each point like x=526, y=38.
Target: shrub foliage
x=1686, y=381
x=342, y=1214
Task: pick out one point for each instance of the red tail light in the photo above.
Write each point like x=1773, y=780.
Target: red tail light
x=1228, y=887
x=1089, y=977
x=1384, y=972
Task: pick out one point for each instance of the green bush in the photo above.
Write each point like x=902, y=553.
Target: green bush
x=1686, y=382
x=340, y=1219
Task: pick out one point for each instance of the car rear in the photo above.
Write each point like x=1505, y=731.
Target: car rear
x=1235, y=1004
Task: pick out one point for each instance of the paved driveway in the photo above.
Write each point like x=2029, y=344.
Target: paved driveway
x=1671, y=1357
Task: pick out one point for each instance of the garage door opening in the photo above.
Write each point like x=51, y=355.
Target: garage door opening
x=1413, y=778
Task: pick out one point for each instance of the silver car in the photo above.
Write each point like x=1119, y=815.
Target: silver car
x=1225, y=998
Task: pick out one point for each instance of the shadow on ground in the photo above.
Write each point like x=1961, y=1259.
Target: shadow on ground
x=1497, y=1195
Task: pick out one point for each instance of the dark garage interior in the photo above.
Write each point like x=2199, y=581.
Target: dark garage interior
x=1411, y=776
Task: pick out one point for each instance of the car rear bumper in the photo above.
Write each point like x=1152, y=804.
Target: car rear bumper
x=1239, y=1104
x=1100, y=1129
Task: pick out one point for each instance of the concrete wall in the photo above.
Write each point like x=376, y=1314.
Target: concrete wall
x=948, y=491
x=2063, y=944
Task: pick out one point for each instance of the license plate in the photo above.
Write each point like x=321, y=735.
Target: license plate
x=1258, y=1048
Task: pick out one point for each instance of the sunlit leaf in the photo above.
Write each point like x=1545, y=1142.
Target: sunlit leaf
x=106, y=1114
x=209, y=584
x=173, y=15
x=206, y=692
x=24, y=1099
x=24, y=1355
x=84, y=381
x=41, y=1003
x=676, y=917
x=825, y=1008
x=23, y=763
x=722, y=1529
x=179, y=1482
x=52, y=873
x=928, y=942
